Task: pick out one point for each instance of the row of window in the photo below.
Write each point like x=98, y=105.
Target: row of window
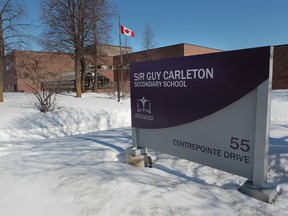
x=102, y=67
x=8, y=67
x=10, y=88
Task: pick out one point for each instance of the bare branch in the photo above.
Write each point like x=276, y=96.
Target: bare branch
x=45, y=85
x=70, y=26
x=148, y=42
x=10, y=32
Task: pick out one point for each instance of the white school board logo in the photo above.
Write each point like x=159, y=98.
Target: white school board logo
x=144, y=105
x=144, y=109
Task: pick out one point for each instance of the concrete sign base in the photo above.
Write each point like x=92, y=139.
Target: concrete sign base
x=138, y=157
x=268, y=193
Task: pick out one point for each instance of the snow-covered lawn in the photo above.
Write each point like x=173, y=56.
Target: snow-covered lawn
x=69, y=163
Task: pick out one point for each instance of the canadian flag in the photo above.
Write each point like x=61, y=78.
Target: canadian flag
x=126, y=31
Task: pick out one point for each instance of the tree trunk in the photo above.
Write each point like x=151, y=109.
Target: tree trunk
x=78, y=75
x=95, y=86
x=82, y=74
x=95, y=53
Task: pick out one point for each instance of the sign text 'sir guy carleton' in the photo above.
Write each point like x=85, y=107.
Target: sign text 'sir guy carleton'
x=172, y=78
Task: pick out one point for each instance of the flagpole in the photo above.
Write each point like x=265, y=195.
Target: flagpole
x=121, y=58
x=121, y=62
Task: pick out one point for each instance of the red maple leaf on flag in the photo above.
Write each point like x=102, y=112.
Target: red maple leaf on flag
x=126, y=31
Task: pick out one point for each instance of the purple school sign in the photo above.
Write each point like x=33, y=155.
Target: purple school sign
x=212, y=109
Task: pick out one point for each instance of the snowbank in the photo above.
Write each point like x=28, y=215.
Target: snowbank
x=67, y=163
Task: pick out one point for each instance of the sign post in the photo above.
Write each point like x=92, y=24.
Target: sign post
x=213, y=109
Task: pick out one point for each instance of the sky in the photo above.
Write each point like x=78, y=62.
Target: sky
x=220, y=24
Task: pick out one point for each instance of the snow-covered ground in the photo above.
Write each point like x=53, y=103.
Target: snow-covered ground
x=69, y=163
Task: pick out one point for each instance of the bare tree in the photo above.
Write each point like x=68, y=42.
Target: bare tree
x=148, y=42
x=45, y=85
x=64, y=20
x=101, y=13
x=71, y=25
x=11, y=34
